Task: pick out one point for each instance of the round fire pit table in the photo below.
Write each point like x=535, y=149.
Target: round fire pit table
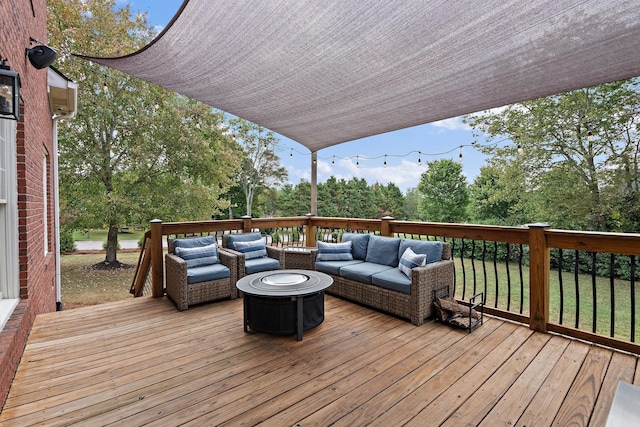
x=284, y=302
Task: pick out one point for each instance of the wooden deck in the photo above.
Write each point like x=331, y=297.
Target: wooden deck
x=140, y=362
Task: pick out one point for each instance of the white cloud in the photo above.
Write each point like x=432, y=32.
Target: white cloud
x=454, y=123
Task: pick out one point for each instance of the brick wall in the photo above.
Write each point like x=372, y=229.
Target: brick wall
x=19, y=20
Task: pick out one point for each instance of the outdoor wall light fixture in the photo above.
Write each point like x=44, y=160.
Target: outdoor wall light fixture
x=40, y=56
x=9, y=92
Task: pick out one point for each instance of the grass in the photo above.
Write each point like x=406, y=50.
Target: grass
x=81, y=285
x=587, y=301
x=101, y=235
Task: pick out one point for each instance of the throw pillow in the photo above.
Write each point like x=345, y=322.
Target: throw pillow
x=199, y=256
x=334, y=251
x=252, y=249
x=411, y=260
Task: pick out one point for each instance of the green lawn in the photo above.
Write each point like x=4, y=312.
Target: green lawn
x=81, y=285
x=622, y=297
x=101, y=235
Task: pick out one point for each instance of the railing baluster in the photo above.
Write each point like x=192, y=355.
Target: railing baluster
x=508, y=257
x=560, y=284
x=484, y=268
x=464, y=270
x=633, y=298
x=495, y=271
x=521, y=279
x=612, y=288
x=576, y=271
x=593, y=291
x=473, y=265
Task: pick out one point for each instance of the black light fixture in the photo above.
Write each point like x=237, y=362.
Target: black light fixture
x=9, y=92
x=40, y=56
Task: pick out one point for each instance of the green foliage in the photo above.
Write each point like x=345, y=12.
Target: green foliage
x=445, y=192
x=577, y=155
x=134, y=152
x=67, y=242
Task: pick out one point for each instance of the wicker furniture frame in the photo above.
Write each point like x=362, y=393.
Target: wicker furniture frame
x=184, y=294
x=416, y=306
x=272, y=252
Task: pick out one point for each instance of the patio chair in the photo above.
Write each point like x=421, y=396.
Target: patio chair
x=197, y=271
x=254, y=255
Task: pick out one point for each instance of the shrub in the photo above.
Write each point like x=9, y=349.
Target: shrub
x=67, y=242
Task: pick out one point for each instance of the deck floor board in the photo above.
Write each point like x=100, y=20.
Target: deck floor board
x=142, y=362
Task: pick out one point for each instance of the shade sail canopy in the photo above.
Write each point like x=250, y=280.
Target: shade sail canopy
x=327, y=72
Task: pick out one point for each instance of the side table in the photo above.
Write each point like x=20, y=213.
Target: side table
x=299, y=257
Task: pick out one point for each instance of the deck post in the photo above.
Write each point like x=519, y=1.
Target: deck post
x=310, y=236
x=385, y=228
x=539, y=270
x=157, y=267
x=246, y=223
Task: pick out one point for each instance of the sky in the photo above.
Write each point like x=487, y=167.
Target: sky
x=362, y=158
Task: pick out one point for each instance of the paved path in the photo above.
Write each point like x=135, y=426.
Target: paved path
x=89, y=245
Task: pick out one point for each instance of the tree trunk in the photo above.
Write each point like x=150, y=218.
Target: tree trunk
x=112, y=244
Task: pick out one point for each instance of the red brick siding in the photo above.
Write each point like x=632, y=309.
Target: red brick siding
x=34, y=138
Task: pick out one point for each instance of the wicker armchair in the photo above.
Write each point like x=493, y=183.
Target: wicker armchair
x=273, y=261
x=185, y=294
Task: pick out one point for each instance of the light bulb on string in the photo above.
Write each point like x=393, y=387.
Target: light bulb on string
x=333, y=162
x=460, y=155
x=520, y=150
x=291, y=154
x=357, y=162
x=589, y=136
x=385, y=160
x=419, y=158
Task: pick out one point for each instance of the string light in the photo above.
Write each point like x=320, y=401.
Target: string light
x=589, y=136
x=520, y=150
x=473, y=144
x=291, y=154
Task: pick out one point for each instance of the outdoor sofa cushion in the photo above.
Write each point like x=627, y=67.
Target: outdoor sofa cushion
x=410, y=260
x=363, y=271
x=207, y=273
x=256, y=265
x=334, y=251
x=195, y=257
x=383, y=250
x=252, y=249
x=393, y=279
x=243, y=237
x=359, y=243
x=333, y=267
x=433, y=250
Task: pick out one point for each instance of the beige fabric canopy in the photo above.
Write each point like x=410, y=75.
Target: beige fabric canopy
x=327, y=72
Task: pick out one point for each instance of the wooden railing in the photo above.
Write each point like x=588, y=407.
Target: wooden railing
x=532, y=265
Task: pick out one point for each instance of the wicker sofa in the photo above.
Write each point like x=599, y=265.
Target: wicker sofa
x=207, y=281
x=372, y=276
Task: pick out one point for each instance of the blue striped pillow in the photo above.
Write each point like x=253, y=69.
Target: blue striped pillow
x=199, y=256
x=252, y=249
x=411, y=260
x=334, y=251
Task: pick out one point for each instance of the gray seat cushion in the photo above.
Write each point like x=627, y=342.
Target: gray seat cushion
x=359, y=243
x=206, y=273
x=363, y=271
x=383, y=250
x=244, y=237
x=393, y=279
x=333, y=267
x=257, y=265
x=433, y=250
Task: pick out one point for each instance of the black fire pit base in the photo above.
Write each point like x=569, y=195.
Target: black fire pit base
x=279, y=315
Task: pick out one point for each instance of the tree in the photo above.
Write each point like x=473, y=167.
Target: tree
x=389, y=200
x=411, y=203
x=586, y=138
x=497, y=196
x=445, y=194
x=260, y=167
x=134, y=151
